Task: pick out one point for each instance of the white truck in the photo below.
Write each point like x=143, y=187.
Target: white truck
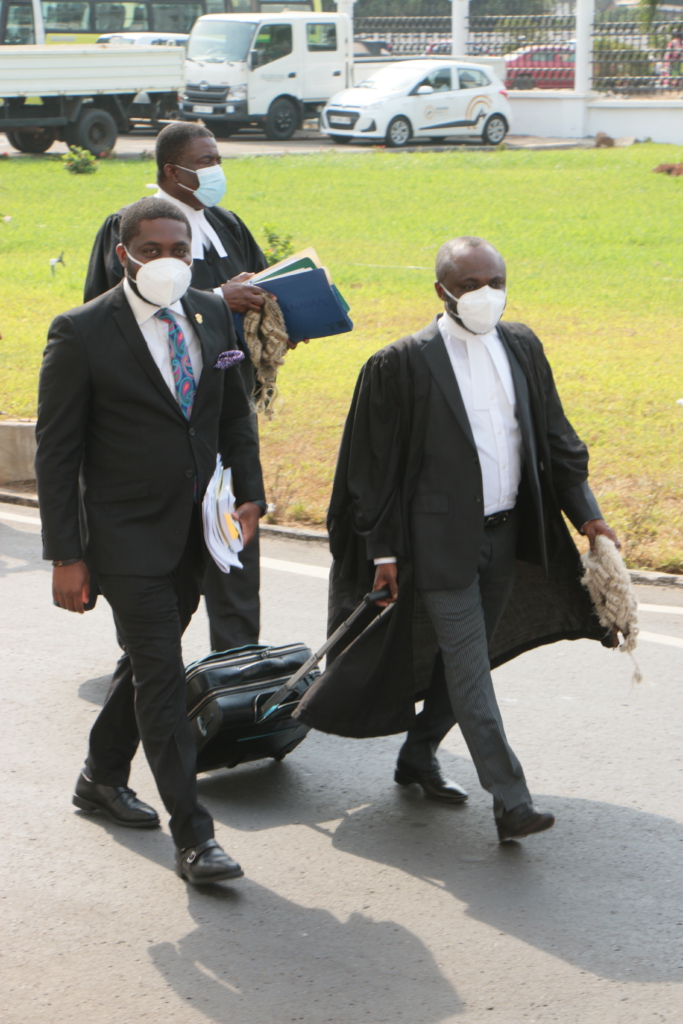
x=270, y=70
x=84, y=95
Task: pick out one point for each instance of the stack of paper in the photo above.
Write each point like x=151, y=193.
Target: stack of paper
x=311, y=304
x=222, y=533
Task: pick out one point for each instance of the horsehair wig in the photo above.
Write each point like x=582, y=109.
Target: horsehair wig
x=609, y=585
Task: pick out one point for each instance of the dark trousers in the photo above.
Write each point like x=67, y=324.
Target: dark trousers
x=146, y=699
x=462, y=688
x=232, y=601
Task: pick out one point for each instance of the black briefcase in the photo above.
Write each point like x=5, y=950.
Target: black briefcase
x=225, y=693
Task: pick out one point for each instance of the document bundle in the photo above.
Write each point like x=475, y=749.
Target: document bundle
x=311, y=304
x=222, y=533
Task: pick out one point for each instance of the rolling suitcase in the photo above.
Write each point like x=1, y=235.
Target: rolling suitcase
x=240, y=702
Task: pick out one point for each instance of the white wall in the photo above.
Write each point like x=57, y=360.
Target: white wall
x=567, y=115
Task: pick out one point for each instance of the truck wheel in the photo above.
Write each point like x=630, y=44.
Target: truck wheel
x=495, y=130
x=523, y=82
x=95, y=130
x=282, y=120
x=399, y=133
x=37, y=141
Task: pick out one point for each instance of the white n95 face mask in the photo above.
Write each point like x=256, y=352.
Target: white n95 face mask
x=481, y=310
x=162, y=282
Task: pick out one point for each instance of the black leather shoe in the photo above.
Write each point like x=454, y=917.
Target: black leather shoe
x=434, y=784
x=119, y=803
x=523, y=820
x=206, y=863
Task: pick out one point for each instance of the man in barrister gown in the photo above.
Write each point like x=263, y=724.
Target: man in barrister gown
x=225, y=256
x=455, y=467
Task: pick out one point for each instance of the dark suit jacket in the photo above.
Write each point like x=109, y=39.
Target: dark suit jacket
x=446, y=511
x=106, y=415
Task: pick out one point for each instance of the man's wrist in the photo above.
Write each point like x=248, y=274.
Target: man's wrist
x=61, y=563
x=390, y=560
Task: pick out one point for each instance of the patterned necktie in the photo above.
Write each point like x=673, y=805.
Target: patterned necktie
x=183, y=377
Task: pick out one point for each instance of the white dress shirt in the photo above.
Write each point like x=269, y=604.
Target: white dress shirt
x=155, y=333
x=482, y=370
x=203, y=235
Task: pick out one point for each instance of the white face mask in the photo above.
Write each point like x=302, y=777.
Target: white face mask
x=162, y=282
x=481, y=310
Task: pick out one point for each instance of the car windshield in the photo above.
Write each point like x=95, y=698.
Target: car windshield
x=216, y=41
x=391, y=79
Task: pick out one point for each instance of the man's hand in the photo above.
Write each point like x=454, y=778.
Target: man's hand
x=593, y=527
x=248, y=516
x=71, y=586
x=241, y=296
x=386, y=575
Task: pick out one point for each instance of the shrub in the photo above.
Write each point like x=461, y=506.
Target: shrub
x=80, y=161
x=278, y=247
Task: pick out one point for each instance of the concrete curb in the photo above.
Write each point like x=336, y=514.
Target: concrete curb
x=640, y=577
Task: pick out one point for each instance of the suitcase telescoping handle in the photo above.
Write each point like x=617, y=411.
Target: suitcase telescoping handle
x=278, y=698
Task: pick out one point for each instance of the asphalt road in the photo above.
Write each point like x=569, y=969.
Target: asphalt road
x=251, y=142
x=361, y=902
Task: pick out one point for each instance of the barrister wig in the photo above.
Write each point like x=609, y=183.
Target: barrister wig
x=173, y=140
x=149, y=208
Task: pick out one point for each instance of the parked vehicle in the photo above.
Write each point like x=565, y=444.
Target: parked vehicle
x=413, y=99
x=86, y=94
x=541, y=67
x=146, y=38
x=83, y=21
x=267, y=70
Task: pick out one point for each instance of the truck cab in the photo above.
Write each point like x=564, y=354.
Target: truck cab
x=270, y=70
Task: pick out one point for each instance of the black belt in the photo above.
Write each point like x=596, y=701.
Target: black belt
x=498, y=517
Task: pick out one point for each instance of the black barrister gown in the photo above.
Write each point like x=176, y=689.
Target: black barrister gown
x=371, y=688
x=232, y=600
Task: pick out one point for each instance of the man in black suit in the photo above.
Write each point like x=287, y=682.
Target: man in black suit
x=225, y=256
x=456, y=463
x=133, y=410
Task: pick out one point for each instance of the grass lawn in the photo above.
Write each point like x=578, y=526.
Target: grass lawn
x=595, y=266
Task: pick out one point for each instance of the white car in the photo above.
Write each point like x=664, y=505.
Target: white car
x=417, y=99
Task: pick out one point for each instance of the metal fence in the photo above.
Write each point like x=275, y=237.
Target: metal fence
x=627, y=57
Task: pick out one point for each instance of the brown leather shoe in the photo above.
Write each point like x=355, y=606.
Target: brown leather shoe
x=119, y=803
x=523, y=820
x=206, y=863
x=434, y=784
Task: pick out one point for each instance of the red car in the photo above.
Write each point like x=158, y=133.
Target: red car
x=541, y=67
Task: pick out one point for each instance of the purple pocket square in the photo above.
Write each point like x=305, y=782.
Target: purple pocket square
x=228, y=359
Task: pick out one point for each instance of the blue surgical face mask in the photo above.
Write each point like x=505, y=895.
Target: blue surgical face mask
x=212, y=184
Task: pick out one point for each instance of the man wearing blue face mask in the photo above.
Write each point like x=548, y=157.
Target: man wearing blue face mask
x=225, y=256
x=456, y=464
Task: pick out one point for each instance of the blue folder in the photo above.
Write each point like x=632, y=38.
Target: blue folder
x=311, y=307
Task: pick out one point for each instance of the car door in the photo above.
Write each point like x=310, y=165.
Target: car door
x=475, y=101
x=274, y=66
x=433, y=113
x=323, y=60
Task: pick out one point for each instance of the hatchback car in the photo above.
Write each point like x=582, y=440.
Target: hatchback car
x=421, y=99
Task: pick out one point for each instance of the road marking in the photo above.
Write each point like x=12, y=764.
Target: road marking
x=299, y=568
x=661, y=638
x=14, y=518
x=666, y=609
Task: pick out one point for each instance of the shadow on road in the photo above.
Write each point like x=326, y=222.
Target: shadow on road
x=256, y=956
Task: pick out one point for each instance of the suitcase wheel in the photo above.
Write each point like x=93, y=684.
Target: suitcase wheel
x=281, y=756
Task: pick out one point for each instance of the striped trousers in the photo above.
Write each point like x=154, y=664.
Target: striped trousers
x=462, y=688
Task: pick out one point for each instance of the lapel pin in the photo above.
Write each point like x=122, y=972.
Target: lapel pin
x=199, y=318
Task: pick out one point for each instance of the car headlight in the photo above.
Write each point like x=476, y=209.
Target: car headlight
x=237, y=92
x=373, y=106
